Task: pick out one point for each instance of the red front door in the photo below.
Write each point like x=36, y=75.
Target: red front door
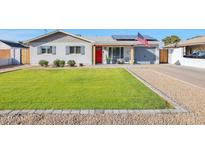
x=98, y=55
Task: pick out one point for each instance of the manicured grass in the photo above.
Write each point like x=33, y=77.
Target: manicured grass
x=75, y=89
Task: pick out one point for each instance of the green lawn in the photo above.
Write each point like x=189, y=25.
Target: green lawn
x=75, y=89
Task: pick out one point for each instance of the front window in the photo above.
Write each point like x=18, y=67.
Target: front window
x=122, y=52
x=116, y=53
x=110, y=52
x=47, y=50
x=43, y=50
x=72, y=50
x=78, y=50
x=75, y=50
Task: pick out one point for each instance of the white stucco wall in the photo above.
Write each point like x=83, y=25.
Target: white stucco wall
x=157, y=55
x=176, y=56
x=4, y=46
x=193, y=62
x=4, y=62
x=61, y=53
x=14, y=55
x=127, y=52
x=104, y=54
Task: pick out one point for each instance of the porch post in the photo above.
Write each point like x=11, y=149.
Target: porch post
x=94, y=54
x=132, y=55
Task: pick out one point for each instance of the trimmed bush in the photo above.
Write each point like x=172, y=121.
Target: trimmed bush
x=81, y=65
x=56, y=63
x=43, y=63
x=62, y=63
x=71, y=63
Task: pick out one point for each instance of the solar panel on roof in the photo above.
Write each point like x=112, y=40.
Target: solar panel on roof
x=132, y=37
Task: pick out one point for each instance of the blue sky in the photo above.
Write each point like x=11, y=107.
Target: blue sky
x=24, y=34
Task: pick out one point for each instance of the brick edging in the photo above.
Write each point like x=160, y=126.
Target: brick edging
x=130, y=111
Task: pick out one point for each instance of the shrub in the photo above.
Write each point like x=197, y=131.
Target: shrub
x=81, y=64
x=43, y=63
x=108, y=59
x=56, y=62
x=62, y=63
x=71, y=63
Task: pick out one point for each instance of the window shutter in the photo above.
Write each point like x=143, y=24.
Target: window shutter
x=82, y=50
x=38, y=50
x=54, y=50
x=67, y=50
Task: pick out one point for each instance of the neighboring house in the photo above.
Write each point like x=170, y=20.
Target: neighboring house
x=92, y=50
x=190, y=52
x=12, y=53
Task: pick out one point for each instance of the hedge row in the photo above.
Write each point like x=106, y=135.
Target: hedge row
x=58, y=63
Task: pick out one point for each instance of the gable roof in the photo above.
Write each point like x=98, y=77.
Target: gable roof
x=102, y=40
x=13, y=44
x=193, y=41
x=54, y=32
x=198, y=40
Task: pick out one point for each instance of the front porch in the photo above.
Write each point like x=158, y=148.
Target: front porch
x=113, y=54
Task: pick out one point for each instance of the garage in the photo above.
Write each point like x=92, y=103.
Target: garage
x=145, y=55
x=13, y=53
x=4, y=53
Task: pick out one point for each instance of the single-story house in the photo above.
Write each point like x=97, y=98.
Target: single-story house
x=13, y=53
x=92, y=49
x=190, y=52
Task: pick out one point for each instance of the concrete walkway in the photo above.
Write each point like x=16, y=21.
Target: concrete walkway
x=9, y=68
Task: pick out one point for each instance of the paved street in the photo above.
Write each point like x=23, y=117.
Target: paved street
x=191, y=75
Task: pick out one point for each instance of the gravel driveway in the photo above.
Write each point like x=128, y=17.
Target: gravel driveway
x=187, y=95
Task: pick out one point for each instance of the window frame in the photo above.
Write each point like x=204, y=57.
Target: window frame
x=75, y=50
x=120, y=50
x=47, y=50
x=78, y=49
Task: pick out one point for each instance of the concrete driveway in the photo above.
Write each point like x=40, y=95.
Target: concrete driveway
x=191, y=75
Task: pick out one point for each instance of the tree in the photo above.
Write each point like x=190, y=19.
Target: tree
x=171, y=39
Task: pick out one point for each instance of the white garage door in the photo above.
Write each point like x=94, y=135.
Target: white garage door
x=145, y=55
